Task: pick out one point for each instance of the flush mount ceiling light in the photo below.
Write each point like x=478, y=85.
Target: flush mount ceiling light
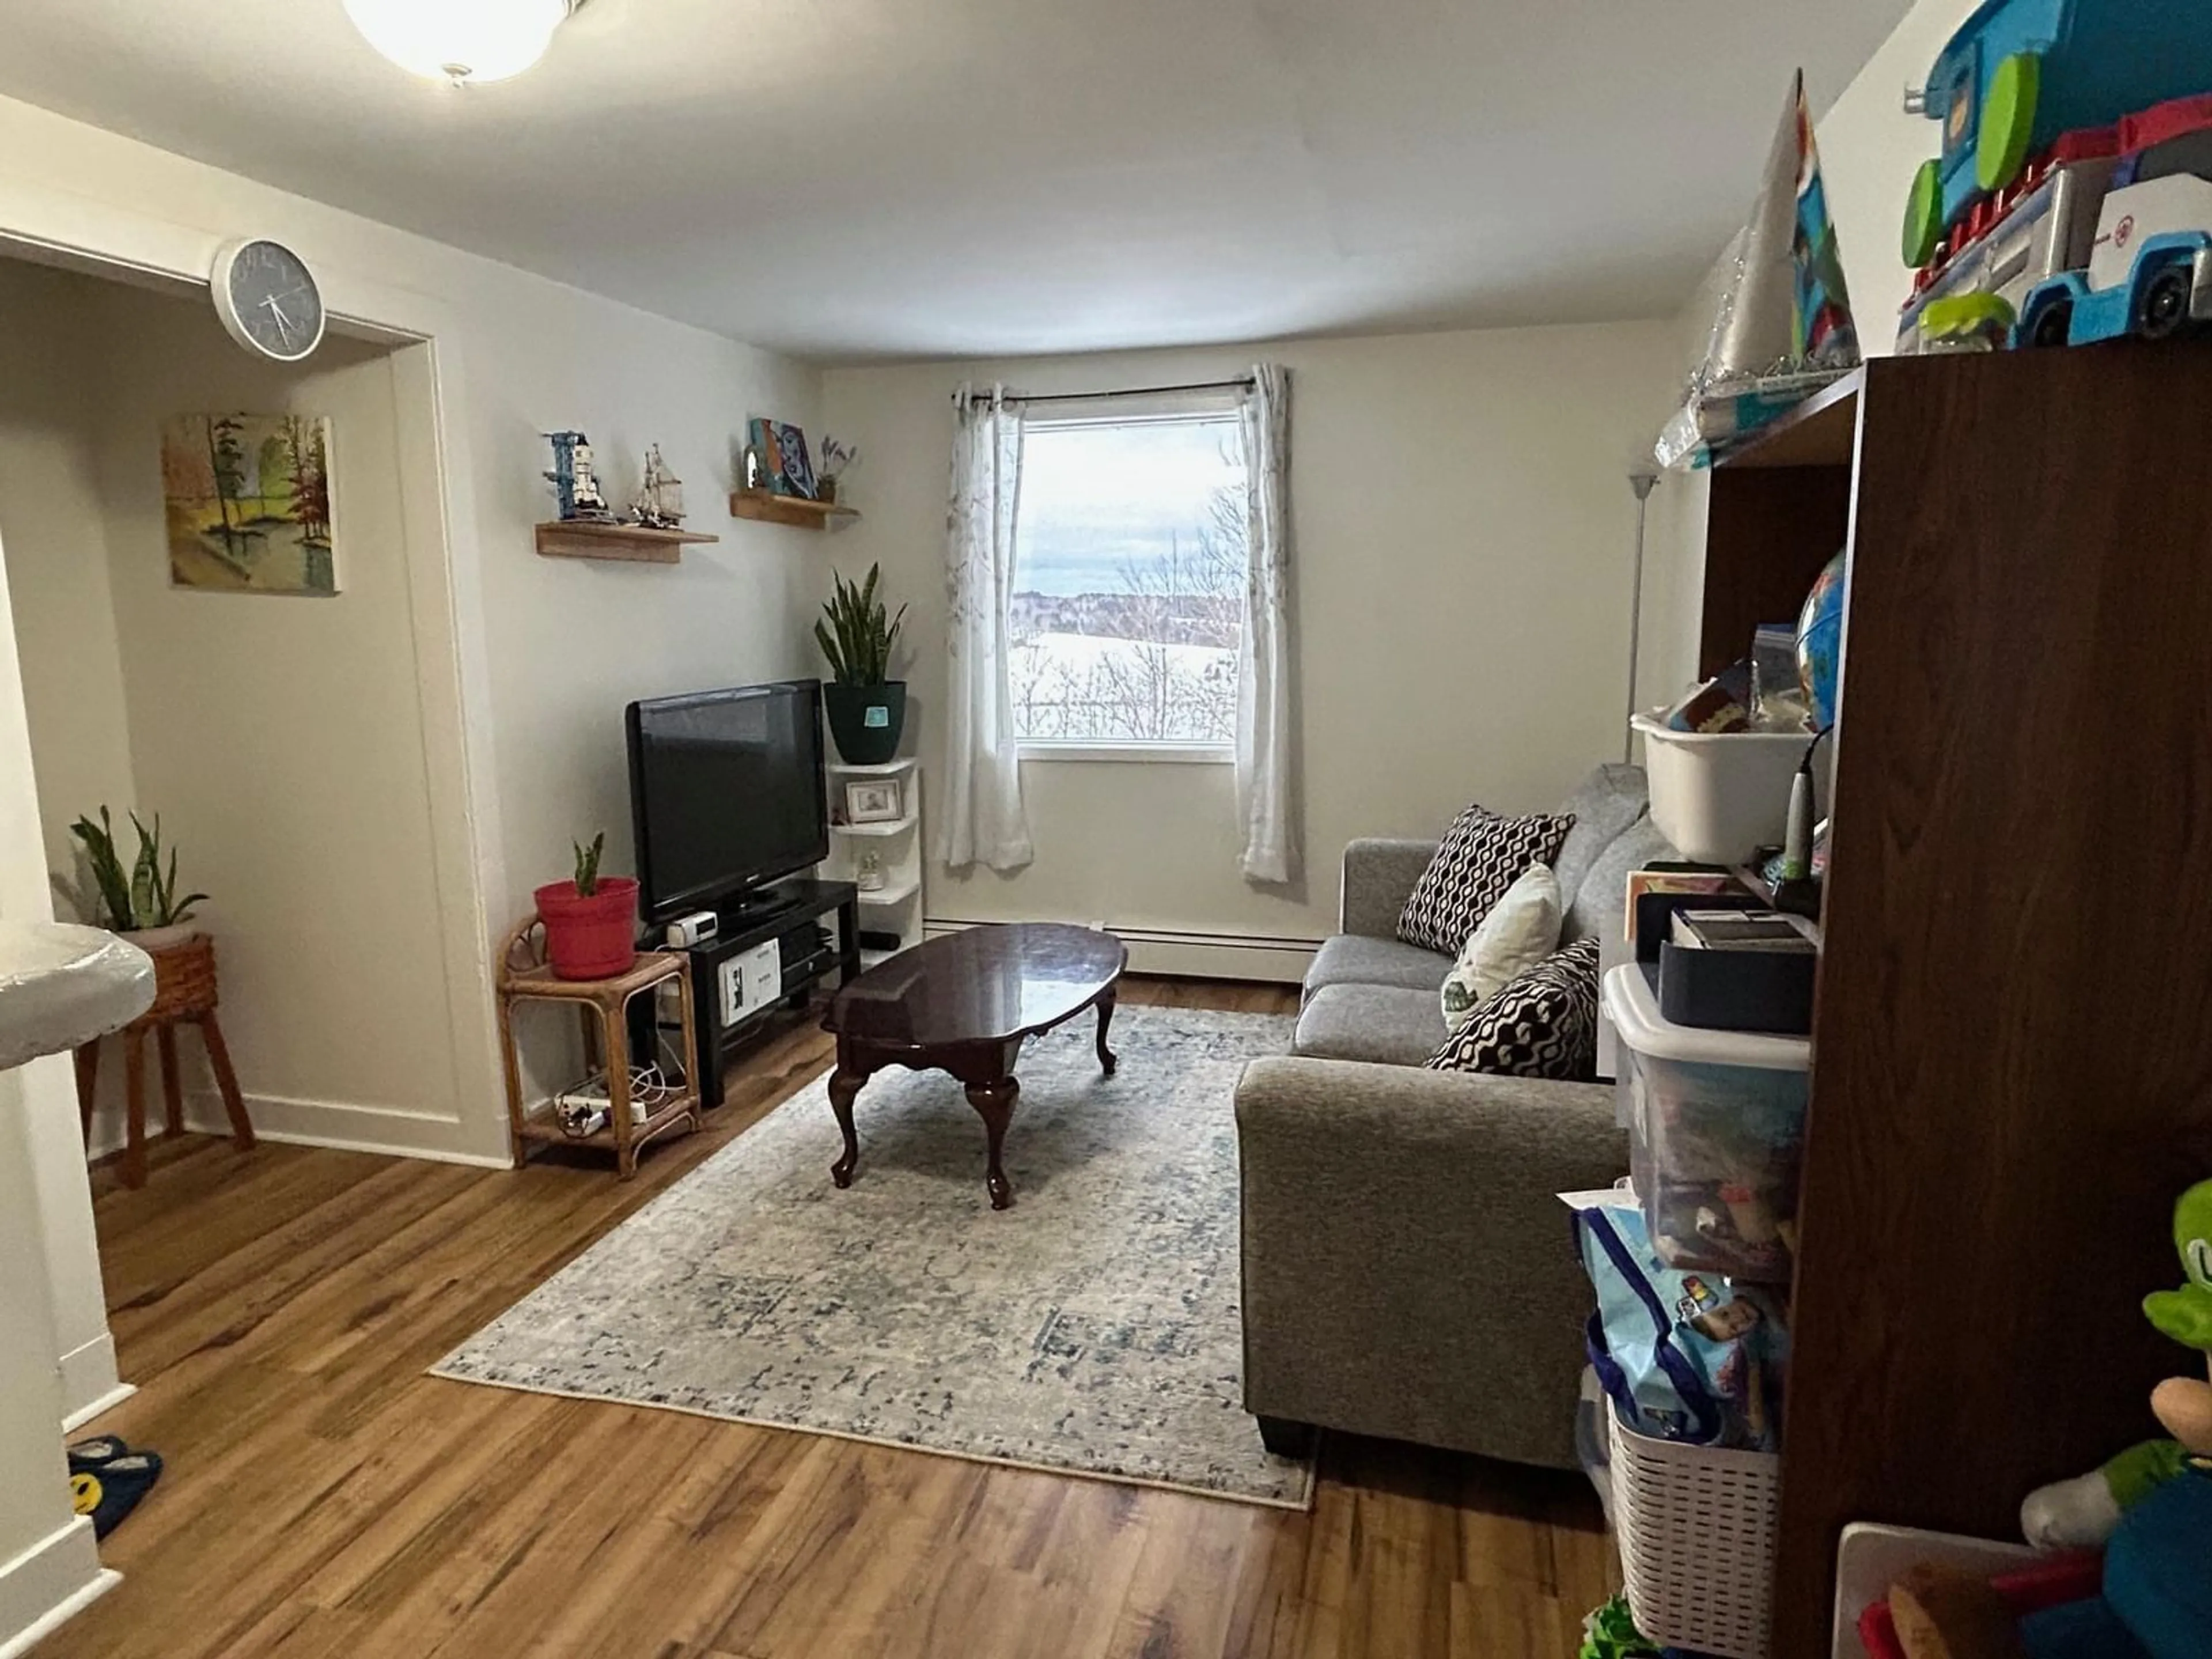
x=460, y=40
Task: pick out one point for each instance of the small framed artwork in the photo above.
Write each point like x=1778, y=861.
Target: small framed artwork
x=798, y=465
x=785, y=468
x=873, y=800
x=762, y=436
x=247, y=502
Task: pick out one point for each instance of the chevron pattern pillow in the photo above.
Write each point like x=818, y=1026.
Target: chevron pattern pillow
x=1544, y=1025
x=1482, y=855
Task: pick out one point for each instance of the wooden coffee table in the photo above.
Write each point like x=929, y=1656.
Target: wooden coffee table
x=964, y=1004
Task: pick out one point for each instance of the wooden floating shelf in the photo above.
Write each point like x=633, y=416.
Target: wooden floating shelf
x=769, y=507
x=587, y=539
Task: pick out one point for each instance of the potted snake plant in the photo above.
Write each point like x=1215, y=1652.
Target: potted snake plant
x=867, y=707
x=140, y=902
x=591, y=920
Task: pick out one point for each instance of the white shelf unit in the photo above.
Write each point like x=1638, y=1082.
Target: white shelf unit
x=895, y=907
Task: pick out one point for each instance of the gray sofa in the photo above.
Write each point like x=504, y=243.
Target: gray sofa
x=1408, y=1270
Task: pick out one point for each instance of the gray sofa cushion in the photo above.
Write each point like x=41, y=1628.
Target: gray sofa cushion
x=1604, y=804
x=1384, y=1024
x=1355, y=959
x=1600, y=903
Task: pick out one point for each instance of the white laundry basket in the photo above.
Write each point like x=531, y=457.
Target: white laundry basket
x=1697, y=1530
x=1716, y=796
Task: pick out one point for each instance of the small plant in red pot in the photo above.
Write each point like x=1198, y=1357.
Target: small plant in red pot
x=591, y=922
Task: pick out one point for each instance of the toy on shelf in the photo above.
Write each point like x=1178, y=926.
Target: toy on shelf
x=1783, y=328
x=2151, y=1506
x=575, y=484
x=2072, y=202
x=659, y=503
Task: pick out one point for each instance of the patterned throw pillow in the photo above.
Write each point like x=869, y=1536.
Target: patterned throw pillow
x=1482, y=855
x=1544, y=1025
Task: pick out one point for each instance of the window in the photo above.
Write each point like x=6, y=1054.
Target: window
x=1129, y=561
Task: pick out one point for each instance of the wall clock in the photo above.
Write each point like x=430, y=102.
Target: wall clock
x=267, y=298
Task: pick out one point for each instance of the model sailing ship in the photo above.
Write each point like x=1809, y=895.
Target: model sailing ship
x=659, y=503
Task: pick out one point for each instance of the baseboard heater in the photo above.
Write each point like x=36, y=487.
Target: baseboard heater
x=1201, y=956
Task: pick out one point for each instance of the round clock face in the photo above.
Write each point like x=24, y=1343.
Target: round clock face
x=267, y=299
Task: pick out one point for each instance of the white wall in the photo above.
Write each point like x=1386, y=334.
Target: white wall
x=53, y=523
x=1464, y=530
x=53, y=543
x=48, y=1562
x=540, y=653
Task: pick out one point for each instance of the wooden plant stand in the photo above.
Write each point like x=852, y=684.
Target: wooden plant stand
x=183, y=994
x=602, y=1005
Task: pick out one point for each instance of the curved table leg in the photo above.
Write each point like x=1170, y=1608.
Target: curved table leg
x=1106, y=1061
x=995, y=1103
x=844, y=1087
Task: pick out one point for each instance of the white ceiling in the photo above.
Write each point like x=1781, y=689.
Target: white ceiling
x=867, y=178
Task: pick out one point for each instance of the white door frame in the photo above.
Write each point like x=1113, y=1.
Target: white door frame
x=444, y=580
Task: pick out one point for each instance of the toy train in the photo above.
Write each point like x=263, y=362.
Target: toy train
x=2073, y=199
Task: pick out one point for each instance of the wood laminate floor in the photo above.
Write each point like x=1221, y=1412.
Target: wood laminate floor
x=325, y=1497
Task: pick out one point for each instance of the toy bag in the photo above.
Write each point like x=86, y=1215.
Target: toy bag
x=1683, y=1356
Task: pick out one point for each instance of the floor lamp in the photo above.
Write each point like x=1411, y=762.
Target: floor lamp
x=1643, y=484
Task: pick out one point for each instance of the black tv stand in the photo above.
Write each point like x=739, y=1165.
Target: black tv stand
x=789, y=915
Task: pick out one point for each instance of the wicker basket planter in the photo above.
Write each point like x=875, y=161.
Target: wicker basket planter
x=185, y=993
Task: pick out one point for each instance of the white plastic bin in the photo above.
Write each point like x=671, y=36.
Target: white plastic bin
x=1717, y=796
x=1717, y=1131
x=1699, y=1530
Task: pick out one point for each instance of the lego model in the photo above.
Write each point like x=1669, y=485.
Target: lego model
x=575, y=485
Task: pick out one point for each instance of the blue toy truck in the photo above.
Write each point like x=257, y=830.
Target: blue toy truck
x=2021, y=74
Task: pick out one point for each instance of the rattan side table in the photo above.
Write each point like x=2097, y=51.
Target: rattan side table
x=602, y=1005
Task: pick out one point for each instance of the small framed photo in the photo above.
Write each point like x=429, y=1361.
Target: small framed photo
x=873, y=800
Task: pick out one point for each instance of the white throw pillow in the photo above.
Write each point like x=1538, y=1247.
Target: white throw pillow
x=1521, y=930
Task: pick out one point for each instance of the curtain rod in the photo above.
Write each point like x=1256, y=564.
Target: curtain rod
x=1245, y=383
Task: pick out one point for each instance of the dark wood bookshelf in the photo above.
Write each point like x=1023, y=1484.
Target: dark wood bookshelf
x=2011, y=1079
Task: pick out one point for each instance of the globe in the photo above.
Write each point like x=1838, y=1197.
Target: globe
x=1820, y=640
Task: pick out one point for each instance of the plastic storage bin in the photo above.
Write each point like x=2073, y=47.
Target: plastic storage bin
x=1717, y=1130
x=1697, y=1529
x=1717, y=796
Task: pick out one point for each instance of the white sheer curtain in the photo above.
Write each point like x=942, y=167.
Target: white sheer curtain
x=1264, y=692
x=982, y=818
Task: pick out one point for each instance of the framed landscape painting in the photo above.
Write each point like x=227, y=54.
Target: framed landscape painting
x=248, y=503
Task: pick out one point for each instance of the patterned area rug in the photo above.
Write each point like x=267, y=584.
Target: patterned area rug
x=1091, y=1328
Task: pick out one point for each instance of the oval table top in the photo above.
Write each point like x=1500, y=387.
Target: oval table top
x=981, y=985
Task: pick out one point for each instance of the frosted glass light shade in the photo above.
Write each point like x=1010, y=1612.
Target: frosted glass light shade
x=460, y=39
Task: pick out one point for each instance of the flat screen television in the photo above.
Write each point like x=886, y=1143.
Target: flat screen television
x=725, y=793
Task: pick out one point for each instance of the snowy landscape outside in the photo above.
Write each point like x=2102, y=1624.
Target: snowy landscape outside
x=1129, y=560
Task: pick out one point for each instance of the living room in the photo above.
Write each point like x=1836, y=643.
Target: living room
x=1072, y=1017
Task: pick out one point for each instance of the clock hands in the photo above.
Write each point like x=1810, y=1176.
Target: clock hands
x=283, y=321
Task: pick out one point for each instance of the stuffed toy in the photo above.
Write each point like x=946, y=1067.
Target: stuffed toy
x=2152, y=1506
x=1943, y=1613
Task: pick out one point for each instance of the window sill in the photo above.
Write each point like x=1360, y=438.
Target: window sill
x=1173, y=754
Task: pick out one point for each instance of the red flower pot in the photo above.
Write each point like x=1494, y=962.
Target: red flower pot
x=593, y=937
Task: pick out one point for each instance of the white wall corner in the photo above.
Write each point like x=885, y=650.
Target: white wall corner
x=50, y=1583
x=90, y=1382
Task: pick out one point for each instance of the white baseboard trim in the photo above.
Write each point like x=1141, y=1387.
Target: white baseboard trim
x=90, y=1382
x=49, y=1584
x=344, y=1126
x=1195, y=955
x=93, y=1411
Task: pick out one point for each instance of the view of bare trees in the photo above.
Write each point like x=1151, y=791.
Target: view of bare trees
x=1154, y=660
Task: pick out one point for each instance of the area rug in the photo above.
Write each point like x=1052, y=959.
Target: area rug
x=1091, y=1329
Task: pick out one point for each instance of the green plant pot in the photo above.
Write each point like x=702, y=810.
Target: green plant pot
x=866, y=720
